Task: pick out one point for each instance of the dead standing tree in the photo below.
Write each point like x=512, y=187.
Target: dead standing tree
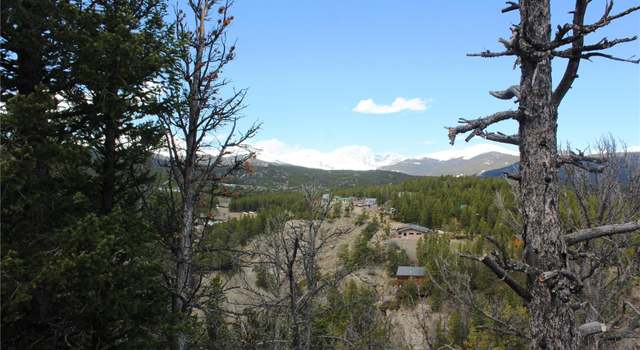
x=202, y=135
x=289, y=255
x=607, y=267
x=551, y=281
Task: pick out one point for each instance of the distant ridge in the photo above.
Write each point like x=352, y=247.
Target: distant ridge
x=281, y=176
x=633, y=157
x=457, y=166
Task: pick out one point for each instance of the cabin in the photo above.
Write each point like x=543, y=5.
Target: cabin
x=411, y=231
x=345, y=201
x=366, y=202
x=410, y=273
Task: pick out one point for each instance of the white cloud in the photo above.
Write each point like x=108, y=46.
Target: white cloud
x=469, y=152
x=368, y=106
x=353, y=157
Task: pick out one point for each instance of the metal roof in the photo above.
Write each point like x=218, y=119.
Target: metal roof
x=414, y=227
x=411, y=271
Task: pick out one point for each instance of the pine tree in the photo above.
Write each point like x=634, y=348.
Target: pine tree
x=58, y=256
x=120, y=57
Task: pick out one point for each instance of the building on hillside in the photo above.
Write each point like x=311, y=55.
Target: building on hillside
x=366, y=202
x=412, y=231
x=345, y=201
x=410, y=273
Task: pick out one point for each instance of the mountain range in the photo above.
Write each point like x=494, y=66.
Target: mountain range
x=282, y=176
x=463, y=166
x=275, y=175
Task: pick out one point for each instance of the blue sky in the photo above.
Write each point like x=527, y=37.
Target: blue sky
x=307, y=64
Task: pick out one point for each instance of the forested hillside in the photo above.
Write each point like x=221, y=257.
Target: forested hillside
x=284, y=176
x=457, y=204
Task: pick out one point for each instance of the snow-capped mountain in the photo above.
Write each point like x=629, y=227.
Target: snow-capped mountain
x=357, y=157
x=469, y=160
x=460, y=166
x=343, y=158
x=471, y=152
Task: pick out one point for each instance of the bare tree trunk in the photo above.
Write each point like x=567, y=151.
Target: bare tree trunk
x=201, y=114
x=293, y=298
x=552, y=319
x=553, y=283
x=183, y=267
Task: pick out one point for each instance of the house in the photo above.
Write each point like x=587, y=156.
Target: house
x=366, y=202
x=410, y=273
x=345, y=201
x=369, y=202
x=412, y=231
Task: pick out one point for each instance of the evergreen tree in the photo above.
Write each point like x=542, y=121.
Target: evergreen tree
x=69, y=277
x=120, y=56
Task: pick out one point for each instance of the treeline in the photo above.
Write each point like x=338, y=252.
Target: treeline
x=257, y=201
x=456, y=204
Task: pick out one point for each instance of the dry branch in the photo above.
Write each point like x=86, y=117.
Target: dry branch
x=502, y=275
x=499, y=137
x=571, y=71
x=478, y=125
x=601, y=231
x=509, y=93
x=580, y=31
x=491, y=54
x=512, y=6
x=592, y=328
x=582, y=161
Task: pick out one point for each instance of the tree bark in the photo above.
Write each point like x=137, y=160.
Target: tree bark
x=183, y=268
x=293, y=297
x=552, y=320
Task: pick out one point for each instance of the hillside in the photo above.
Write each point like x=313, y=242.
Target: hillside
x=278, y=176
x=285, y=176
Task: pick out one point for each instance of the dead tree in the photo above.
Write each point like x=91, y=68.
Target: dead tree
x=202, y=135
x=607, y=267
x=552, y=283
x=289, y=254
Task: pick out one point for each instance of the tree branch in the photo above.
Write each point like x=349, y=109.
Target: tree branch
x=601, y=231
x=491, y=54
x=571, y=71
x=600, y=45
x=587, y=56
x=588, y=163
x=591, y=328
x=502, y=275
x=499, y=137
x=479, y=124
x=511, y=92
x=580, y=31
x=512, y=6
